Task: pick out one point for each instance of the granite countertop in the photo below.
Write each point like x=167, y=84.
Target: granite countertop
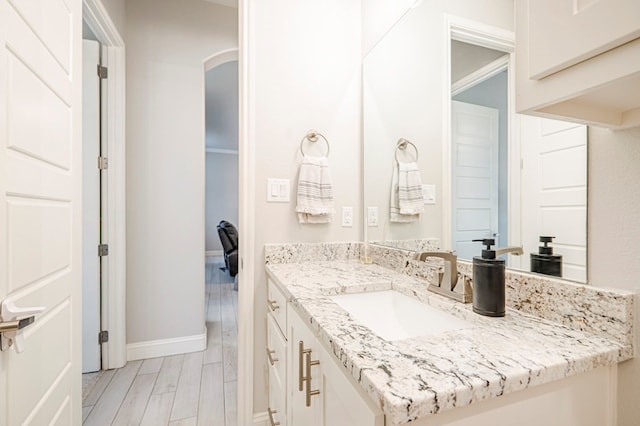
x=417, y=377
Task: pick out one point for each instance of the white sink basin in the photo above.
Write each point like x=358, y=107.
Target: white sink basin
x=394, y=316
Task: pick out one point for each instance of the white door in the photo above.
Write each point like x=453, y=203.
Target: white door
x=90, y=206
x=554, y=190
x=41, y=207
x=474, y=180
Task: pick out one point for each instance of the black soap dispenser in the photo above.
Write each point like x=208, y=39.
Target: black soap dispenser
x=545, y=262
x=488, y=282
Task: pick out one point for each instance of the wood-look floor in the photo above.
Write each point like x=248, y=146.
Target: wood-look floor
x=181, y=390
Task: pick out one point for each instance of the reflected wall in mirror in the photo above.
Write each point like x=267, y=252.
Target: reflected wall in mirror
x=493, y=173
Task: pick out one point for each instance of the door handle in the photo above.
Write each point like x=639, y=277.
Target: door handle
x=12, y=321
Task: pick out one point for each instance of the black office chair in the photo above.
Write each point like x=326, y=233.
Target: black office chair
x=229, y=238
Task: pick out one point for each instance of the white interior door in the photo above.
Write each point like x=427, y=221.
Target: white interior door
x=90, y=206
x=554, y=190
x=474, y=180
x=40, y=207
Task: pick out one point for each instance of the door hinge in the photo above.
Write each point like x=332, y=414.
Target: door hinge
x=103, y=337
x=103, y=72
x=103, y=250
x=103, y=163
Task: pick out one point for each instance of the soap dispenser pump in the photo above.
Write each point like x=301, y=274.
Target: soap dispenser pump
x=545, y=262
x=488, y=282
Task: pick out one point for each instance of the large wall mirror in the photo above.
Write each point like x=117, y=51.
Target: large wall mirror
x=438, y=103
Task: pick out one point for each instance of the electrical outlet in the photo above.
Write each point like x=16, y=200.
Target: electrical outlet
x=372, y=216
x=347, y=217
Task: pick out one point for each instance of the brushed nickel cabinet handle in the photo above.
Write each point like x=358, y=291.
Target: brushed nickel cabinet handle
x=271, y=413
x=301, y=354
x=307, y=378
x=272, y=360
x=272, y=304
x=301, y=351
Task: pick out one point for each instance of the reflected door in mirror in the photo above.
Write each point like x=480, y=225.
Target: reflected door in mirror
x=474, y=180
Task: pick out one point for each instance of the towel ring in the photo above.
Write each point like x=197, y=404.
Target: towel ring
x=402, y=145
x=312, y=136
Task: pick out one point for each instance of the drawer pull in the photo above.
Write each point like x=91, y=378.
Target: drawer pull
x=273, y=305
x=272, y=360
x=301, y=352
x=271, y=413
x=307, y=379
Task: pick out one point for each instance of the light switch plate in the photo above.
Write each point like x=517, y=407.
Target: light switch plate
x=347, y=217
x=278, y=190
x=372, y=216
x=429, y=194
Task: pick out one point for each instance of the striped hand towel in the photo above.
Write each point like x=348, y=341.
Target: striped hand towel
x=406, y=193
x=315, y=192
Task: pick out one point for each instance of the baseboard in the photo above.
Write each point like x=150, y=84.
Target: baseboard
x=214, y=253
x=166, y=347
x=261, y=419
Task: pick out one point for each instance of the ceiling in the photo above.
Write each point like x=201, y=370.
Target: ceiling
x=467, y=58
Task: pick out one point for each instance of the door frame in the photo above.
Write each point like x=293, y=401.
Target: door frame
x=472, y=32
x=113, y=297
x=246, y=213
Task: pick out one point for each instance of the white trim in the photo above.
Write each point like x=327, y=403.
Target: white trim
x=221, y=151
x=214, y=253
x=472, y=32
x=480, y=75
x=167, y=347
x=248, y=260
x=261, y=419
x=220, y=58
x=456, y=28
x=114, y=353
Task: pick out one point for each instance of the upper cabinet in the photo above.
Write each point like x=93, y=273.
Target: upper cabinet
x=579, y=60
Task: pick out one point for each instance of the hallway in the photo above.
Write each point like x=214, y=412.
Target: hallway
x=188, y=389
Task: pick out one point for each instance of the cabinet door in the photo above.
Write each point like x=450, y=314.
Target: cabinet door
x=303, y=357
x=565, y=32
x=344, y=403
x=277, y=358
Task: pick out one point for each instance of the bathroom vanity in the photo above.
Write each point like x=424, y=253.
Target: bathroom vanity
x=328, y=368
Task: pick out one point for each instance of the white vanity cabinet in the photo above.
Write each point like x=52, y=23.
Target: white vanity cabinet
x=320, y=392
x=579, y=60
x=276, y=352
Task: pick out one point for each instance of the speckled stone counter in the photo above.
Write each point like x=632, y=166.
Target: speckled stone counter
x=417, y=377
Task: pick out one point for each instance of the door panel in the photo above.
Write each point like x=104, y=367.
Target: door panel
x=30, y=220
x=474, y=180
x=40, y=207
x=51, y=21
x=554, y=182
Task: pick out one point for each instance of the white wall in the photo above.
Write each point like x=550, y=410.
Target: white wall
x=166, y=44
x=306, y=75
x=116, y=10
x=222, y=106
x=221, y=195
x=614, y=237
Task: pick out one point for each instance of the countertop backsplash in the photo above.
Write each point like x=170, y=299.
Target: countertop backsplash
x=310, y=252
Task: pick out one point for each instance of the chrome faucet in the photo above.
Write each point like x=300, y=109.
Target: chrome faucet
x=448, y=277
